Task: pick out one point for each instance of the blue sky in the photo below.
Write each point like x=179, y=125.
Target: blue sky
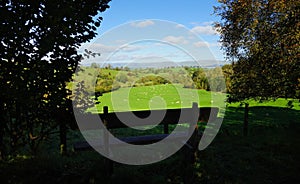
x=188, y=13
x=195, y=15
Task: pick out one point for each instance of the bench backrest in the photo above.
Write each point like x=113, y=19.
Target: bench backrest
x=171, y=116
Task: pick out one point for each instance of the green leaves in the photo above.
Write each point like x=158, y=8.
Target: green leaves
x=37, y=57
x=262, y=39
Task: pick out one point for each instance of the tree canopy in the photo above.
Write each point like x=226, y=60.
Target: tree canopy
x=38, y=55
x=262, y=39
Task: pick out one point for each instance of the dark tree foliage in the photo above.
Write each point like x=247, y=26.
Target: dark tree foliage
x=38, y=42
x=262, y=38
x=200, y=79
x=227, y=73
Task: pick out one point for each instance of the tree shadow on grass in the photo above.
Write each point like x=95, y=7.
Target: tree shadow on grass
x=269, y=154
x=274, y=116
x=262, y=117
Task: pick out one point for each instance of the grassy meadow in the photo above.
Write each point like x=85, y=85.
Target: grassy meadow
x=157, y=97
x=269, y=154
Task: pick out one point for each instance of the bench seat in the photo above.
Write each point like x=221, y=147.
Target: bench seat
x=137, y=140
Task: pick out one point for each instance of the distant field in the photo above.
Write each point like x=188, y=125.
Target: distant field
x=157, y=97
x=169, y=96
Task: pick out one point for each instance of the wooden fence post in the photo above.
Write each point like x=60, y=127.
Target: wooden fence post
x=107, y=162
x=246, y=117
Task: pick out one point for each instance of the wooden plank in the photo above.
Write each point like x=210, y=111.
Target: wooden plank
x=82, y=146
x=105, y=133
x=137, y=140
x=208, y=112
x=171, y=117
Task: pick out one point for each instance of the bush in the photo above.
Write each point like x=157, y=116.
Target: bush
x=122, y=77
x=152, y=80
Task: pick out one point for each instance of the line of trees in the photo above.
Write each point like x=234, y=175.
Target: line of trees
x=109, y=78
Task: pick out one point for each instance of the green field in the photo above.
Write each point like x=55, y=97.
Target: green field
x=158, y=97
x=171, y=96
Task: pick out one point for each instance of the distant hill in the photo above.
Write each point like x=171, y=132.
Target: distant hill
x=133, y=65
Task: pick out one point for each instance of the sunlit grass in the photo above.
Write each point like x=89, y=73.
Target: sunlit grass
x=157, y=97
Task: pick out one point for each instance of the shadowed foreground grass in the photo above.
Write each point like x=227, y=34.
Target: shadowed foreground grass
x=270, y=154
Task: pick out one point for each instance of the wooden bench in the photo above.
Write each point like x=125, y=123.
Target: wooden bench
x=171, y=117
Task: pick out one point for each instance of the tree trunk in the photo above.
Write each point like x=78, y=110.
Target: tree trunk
x=2, y=151
x=1, y=141
x=63, y=136
x=63, y=139
x=246, y=117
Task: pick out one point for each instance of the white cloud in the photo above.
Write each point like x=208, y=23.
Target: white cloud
x=143, y=24
x=175, y=39
x=160, y=44
x=217, y=44
x=205, y=30
x=131, y=48
x=121, y=41
x=101, y=48
x=180, y=26
x=207, y=44
x=202, y=44
x=209, y=23
x=121, y=57
x=97, y=47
